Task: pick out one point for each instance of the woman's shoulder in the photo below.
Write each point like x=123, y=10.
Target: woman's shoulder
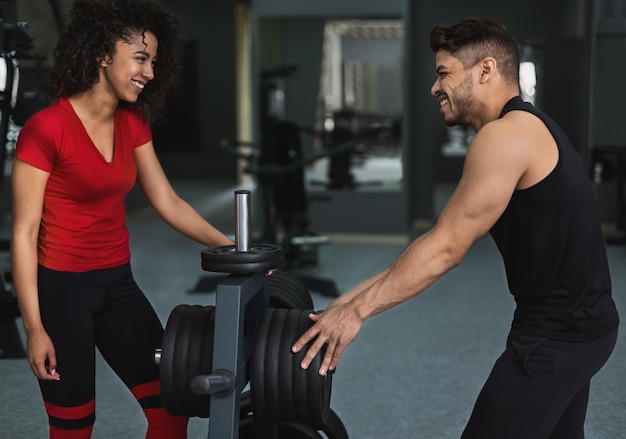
x=49, y=118
x=132, y=112
x=134, y=120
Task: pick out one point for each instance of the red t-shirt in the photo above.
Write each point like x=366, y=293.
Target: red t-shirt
x=83, y=224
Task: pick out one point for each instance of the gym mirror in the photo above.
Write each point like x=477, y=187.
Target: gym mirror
x=334, y=87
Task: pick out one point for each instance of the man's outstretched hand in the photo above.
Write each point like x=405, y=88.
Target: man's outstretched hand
x=336, y=328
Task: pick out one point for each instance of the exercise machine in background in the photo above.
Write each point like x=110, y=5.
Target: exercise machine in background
x=279, y=178
x=15, y=42
x=609, y=166
x=277, y=166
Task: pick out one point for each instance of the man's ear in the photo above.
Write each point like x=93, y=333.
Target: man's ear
x=487, y=67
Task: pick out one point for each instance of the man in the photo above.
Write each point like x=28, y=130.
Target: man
x=524, y=183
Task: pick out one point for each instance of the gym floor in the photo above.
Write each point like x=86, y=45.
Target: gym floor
x=413, y=372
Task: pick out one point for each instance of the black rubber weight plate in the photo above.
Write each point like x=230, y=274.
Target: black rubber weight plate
x=287, y=291
x=285, y=431
x=191, y=338
x=187, y=351
x=181, y=351
x=257, y=364
x=200, y=358
x=318, y=388
x=334, y=428
x=269, y=380
x=285, y=368
x=299, y=379
x=305, y=390
x=258, y=258
x=167, y=375
x=190, y=366
x=272, y=382
x=294, y=281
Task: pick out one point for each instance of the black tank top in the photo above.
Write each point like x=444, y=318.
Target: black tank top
x=553, y=249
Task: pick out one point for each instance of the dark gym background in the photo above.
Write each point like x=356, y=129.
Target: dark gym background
x=578, y=75
x=415, y=371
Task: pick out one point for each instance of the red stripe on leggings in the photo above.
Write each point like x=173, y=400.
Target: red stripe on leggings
x=144, y=390
x=162, y=425
x=71, y=413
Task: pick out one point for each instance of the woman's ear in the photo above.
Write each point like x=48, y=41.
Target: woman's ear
x=104, y=60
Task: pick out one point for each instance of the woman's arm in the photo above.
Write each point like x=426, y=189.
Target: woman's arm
x=175, y=211
x=28, y=185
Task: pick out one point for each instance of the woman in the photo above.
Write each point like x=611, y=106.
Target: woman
x=75, y=162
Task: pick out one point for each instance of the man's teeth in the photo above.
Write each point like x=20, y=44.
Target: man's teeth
x=443, y=102
x=137, y=84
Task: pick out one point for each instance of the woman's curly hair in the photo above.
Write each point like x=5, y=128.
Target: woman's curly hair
x=91, y=34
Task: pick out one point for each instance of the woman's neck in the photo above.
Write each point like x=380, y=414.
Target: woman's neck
x=90, y=104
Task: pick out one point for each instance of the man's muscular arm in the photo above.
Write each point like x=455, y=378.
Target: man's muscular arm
x=496, y=161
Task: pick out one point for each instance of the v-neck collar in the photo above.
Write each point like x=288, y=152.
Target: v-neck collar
x=68, y=105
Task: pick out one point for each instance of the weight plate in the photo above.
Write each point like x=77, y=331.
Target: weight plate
x=285, y=430
x=226, y=259
x=180, y=360
x=166, y=365
x=272, y=381
x=285, y=369
x=286, y=291
x=305, y=391
x=186, y=352
x=299, y=379
x=257, y=364
x=245, y=404
x=318, y=388
x=199, y=358
x=333, y=429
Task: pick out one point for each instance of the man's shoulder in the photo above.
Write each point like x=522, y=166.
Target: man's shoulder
x=514, y=126
x=514, y=138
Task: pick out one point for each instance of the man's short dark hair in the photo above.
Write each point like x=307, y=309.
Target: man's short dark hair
x=473, y=39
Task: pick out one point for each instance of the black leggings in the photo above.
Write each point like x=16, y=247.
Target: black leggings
x=538, y=388
x=103, y=309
